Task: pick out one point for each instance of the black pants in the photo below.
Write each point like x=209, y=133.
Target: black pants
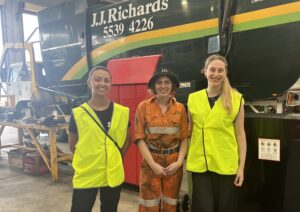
x=214, y=193
x=83, y=199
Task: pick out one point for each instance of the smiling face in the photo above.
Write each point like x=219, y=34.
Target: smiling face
x=163, y=86
x=99, y=82
x=215, y=73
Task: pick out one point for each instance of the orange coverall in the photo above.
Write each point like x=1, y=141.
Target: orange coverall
x=160, y=132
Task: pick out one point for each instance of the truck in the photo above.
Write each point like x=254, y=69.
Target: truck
x=19, y=80
x=20, y=89
x=260, y=39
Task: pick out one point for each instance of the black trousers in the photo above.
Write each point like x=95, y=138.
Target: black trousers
x=83, y=199
x=214, y=193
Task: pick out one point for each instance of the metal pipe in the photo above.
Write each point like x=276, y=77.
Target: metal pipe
x=59, y=92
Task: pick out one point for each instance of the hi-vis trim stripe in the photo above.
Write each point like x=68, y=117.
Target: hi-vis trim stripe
x=162, y=130
x=149, y=203
x=169, y=200
x=276, y=15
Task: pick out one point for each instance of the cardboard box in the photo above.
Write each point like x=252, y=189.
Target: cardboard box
x=34, y=164
x=16, y=158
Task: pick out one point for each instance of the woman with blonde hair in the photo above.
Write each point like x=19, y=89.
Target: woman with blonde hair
x=217, y=150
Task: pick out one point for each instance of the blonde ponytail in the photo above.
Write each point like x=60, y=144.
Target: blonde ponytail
x=226, y=95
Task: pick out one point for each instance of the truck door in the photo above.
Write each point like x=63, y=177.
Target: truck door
x=18, y=83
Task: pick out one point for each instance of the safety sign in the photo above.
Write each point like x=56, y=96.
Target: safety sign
x=269, y=149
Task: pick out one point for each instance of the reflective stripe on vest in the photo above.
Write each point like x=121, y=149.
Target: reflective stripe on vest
x=97, y=161
x=211, y=149
x=162, y=130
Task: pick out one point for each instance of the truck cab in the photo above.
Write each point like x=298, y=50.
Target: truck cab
x=21, y=80
x=17, y=80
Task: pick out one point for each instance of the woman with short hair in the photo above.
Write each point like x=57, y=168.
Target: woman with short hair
x=98, y=137
x=161, y=133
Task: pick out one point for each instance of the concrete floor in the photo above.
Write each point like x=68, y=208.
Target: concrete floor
x=27, y=193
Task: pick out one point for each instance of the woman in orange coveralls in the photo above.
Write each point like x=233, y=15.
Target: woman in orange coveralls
x=161, y=132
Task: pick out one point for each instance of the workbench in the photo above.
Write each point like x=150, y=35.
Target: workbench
x=55, y=157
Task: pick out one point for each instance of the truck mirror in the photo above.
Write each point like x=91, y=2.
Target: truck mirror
x=213, y=45
x=23, y=72
x=3, y=74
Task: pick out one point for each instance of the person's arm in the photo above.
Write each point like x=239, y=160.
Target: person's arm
x=73, y=134
x=139, y=136
x=72, y=140
x=156, y=168
x=182, y=151
x=184, y=134
x=173, y=167
x=127, y=142
x=242, y=145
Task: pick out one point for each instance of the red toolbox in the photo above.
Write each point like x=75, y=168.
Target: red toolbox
x=34, y=164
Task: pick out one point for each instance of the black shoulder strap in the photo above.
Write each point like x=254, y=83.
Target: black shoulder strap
x=102, y=129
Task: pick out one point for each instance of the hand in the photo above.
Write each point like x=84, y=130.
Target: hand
x=172, y=168
x=158, y=169
x=239, y=178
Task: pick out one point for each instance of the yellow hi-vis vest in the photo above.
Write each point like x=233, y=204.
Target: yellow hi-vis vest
x=97, y=161
x=213, y=145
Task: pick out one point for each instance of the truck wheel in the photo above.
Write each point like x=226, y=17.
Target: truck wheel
x=23, y=110
x=186, y=203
